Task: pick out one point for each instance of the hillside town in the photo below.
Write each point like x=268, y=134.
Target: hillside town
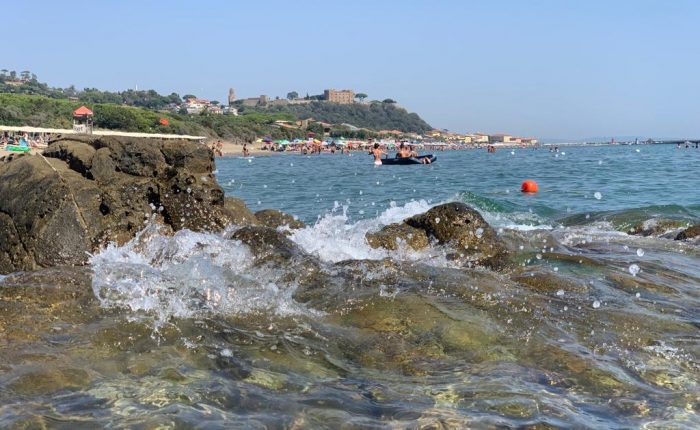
x=193, y=106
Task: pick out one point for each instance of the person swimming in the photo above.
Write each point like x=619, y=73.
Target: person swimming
x=377, y=152
x=404, y=152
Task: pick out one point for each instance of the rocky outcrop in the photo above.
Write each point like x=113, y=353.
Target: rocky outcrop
x=83, y=192
x=461, y=229
x=392, y=235
x=239, y=212
x=267, y=244
x=689, y=233
x=275, y=219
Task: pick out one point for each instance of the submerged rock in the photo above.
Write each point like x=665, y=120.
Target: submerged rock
x=390, y=236
x=273, y=218
x=656, y=227
x=85, y=191
x=689, y=233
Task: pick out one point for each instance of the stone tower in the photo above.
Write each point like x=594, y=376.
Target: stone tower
x=231, y=96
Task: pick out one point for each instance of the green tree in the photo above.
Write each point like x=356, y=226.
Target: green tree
x=215, y=102
x=361, y=96
x=13, y=75
x=25, y=75
x=188, y=96
x=292, y=95
x=4, y=73
x=389, y=101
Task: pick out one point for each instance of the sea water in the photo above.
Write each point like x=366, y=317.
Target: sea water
x=591, y=326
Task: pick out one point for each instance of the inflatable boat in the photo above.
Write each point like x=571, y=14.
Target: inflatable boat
x=409, y=160
x=17, y=148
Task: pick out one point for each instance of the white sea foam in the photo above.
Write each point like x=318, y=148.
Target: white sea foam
x=186, y=275
x=335, y=238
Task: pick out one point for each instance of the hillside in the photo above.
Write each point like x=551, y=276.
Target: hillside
x=40, y=111
x=375, y=115
x=26, y=101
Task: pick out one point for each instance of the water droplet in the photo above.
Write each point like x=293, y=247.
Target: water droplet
x=556, y=269
x=250, y=161
x=587, y=216
x=560, y=293
x=640, y=252
x=596, y=305
x=539, y=256
x=597, y=195
x=521, y=247
x=634, y=269
x=637, y=150
x=637, y=295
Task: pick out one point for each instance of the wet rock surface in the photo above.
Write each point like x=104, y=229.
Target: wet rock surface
x=273, y=218
x=689, y=233
x=472, y=240
x=392, y=235
x=87, y=191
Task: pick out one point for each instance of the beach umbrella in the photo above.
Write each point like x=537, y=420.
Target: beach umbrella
x=163, y=121
x=267, y=139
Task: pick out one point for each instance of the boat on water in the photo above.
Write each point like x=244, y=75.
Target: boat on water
x=409, y=160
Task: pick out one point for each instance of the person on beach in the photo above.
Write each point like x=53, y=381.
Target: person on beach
x=245, y=150
x=377, y=152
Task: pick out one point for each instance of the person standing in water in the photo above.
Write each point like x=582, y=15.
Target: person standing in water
x=377, y=152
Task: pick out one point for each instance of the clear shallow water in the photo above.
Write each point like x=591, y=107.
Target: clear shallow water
x=590, y=327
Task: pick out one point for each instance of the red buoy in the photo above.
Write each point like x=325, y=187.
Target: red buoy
x=529, y=186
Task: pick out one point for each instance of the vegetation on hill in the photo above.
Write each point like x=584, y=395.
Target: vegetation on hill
x=26, y=101
x=40, y=111
x=376, y=116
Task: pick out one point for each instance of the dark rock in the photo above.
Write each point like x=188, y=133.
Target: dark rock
x=389, y=236
x=238, y=212
x=656, y=227
x=267, y=244
x=86, y=191
x=464, y=230
x=78, y=155
x=689, y=233
x=274, y=219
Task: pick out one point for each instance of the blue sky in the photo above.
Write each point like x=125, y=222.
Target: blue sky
x=566, y=69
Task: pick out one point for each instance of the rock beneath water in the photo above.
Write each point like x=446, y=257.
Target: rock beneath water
x=391, y=235
x=656, y=227
x=86, y=191
x=464, y=229
x=239, y=212
x=689, y=233
x=275, y=219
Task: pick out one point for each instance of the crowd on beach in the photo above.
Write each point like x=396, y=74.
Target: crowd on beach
x=24, y=139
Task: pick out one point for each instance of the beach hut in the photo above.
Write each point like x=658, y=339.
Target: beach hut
x=82, y=120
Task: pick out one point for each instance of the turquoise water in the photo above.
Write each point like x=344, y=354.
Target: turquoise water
x=660, y=178
x=587, y=326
